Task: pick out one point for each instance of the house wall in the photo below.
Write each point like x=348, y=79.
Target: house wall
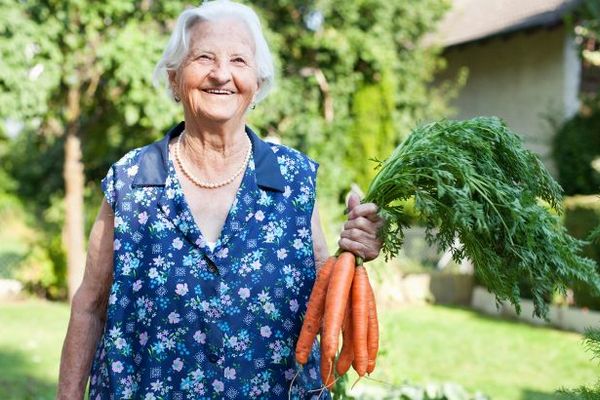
x=530, y=79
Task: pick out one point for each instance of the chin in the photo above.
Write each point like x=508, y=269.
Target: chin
x=218, y=114
x=218, y=117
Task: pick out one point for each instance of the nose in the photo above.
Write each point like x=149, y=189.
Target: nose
x=220, y=72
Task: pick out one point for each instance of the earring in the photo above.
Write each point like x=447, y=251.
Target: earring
x=176, y=98
x=253, y=106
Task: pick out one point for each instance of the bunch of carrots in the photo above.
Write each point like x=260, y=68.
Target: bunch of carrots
x=470, y=180
x=342, y=299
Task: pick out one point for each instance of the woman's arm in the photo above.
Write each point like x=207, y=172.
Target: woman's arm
x=319, y=242
x=88, y=309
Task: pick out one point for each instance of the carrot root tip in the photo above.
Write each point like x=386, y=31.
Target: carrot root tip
x=292, y=385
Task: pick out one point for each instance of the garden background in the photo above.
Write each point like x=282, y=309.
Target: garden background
x=353, y=78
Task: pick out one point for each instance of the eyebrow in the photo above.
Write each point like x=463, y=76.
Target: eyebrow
x=195, y=50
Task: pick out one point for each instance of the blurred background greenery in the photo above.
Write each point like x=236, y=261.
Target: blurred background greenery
x=353, y=78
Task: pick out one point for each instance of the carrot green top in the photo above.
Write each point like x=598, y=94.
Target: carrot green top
x=474, y=180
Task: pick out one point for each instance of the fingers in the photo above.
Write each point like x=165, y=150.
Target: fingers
x=360, y=237
x=353, y=201
x=366, y=250
x=367, y=210
x=363, y=224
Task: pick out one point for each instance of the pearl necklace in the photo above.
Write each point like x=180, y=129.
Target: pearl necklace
x=209, y=185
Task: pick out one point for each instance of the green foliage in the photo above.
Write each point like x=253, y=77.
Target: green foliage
x=367, y=52
x=44, y=269
x=474, y=180
x=595, y=235
x=38, y=276
x=582, y=215
x=576, y=147
x=84, y=65
x=29, y=62
x=373, y=130
x=107, y=50
x=35, y=162
x=102, y=51
x=8, y=183
x=363, y=58
x=585, y=24
x=592, y=345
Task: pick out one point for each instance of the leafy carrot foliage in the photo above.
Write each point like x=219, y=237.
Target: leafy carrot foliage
x=474, y=181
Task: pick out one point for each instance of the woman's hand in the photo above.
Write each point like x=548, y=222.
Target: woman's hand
x=359, y=235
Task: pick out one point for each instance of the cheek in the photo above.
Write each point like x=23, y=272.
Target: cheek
x=190, y=78
x=249, y=83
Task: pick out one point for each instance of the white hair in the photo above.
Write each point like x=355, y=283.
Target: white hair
x=178, y=45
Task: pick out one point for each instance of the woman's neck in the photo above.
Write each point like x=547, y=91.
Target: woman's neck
x=214, y=145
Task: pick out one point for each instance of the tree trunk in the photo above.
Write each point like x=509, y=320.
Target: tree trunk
x=73, y=233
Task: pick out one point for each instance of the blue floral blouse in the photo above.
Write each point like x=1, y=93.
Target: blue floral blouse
x=185, y=322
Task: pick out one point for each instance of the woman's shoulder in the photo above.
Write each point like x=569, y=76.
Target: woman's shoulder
x=129, y=159
x=122, y=173
x=129, y=163
x=287, y=155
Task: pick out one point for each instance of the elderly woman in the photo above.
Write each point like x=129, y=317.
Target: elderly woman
x=204, y=251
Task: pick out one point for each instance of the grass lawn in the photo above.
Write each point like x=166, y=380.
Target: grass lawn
x=506, y=360
x=31, y=335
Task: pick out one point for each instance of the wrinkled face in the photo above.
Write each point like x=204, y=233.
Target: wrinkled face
x=218, y=79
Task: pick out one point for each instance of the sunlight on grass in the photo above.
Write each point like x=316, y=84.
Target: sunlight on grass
x=31, y=335
x=504, y=359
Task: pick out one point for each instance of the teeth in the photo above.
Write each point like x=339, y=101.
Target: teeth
x=216, y=91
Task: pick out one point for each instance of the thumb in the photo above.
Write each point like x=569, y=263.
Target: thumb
x=353, y=201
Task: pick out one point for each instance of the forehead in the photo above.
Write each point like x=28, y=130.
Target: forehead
x=227, y=33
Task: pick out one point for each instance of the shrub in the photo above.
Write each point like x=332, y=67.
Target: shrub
x=576, y=147
x=38, y=275
x=582, y=215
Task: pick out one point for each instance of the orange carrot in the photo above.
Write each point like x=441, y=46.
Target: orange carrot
x=327, y=371
x=373, y=334
x=314, y=312
x=360, y=319
x=335, y=304
x=346, y=354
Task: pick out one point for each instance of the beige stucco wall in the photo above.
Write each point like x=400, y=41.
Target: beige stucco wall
x=528, y=79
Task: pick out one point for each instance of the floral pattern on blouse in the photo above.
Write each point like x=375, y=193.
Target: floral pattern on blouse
x=185, y=322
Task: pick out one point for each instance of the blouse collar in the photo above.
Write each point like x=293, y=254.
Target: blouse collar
x=154, y=162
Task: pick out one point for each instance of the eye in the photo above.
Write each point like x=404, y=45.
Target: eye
x=239, y=60
x=204, y=57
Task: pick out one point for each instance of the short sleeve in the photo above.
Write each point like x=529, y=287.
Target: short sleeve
x=313, y=167
x=108, y=187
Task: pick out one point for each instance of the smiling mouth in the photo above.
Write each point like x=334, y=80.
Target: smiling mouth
x=218, y=91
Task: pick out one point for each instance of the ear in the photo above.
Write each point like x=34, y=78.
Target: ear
x=258, y=85
x=172, y=77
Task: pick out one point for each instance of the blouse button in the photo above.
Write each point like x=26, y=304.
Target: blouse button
x=213, y=358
